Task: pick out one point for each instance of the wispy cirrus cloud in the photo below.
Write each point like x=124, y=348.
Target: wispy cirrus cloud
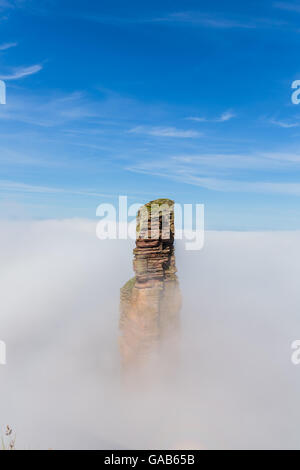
x=58, y=109
x=189, y=18
x=13, y=3
x=166, y=132
x=289, y=6
x=216, y=21
x=7, y=45
x=229, y=185
x=224, y=184
x=221, y=162
x=22, y=72
x=226, y=116
x=196, y=119
x=283, y=124
x=5, y=4
x=49, y=111
x=185, y=17
x=13, y=186
x=227, y=172
x=198, y=18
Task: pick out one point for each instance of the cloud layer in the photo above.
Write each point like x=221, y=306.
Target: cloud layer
x=7, y=45
x=22, y=72
x=166, y=132
x=234, y=386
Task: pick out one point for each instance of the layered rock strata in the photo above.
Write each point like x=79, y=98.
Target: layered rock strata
x=151, y=301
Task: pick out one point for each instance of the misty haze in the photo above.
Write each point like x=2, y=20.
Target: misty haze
x=234, y=386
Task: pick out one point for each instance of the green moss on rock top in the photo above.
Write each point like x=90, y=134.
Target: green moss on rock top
x=127, y=288
x=161, y=202
x=142, y=216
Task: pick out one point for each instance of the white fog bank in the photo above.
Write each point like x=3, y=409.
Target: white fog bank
x=235, y=385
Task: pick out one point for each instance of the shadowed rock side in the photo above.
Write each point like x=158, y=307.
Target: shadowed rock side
x=151, y=301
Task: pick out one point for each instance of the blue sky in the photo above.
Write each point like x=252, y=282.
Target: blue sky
x=184, y=99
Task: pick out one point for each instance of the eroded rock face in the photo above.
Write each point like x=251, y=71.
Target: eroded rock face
x=151, y=301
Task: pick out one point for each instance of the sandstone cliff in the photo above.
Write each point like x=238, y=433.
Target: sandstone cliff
x=150, y=302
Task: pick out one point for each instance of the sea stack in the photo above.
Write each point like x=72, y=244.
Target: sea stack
x=151, y=301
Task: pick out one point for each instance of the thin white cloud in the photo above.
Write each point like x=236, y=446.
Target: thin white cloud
x=56, y=109
x=188, y=18
x=7, y=45
x=226, y=116
x=211, y=21
x=212, y=171
x=166, y=132
x=185, y=17
x=21, y=73
x=227, y=185
x=5, y=4
x=289, y=6
x=284, y=125
x=197, y=119
x=218, y=163
x=49, y=111
x=13, y=3
x=13, y=186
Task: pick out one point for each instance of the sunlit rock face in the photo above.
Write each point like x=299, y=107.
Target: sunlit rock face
x=151, y=301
